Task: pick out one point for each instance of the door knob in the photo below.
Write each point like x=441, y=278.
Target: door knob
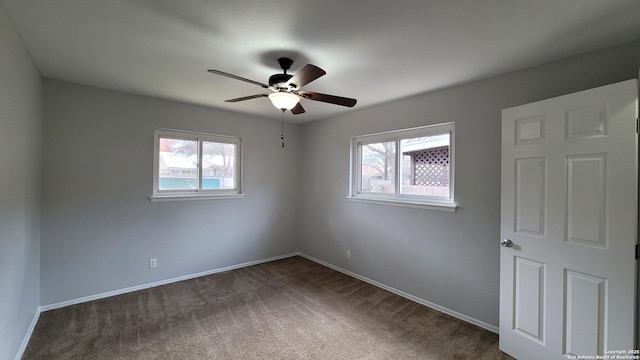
x=506, y=243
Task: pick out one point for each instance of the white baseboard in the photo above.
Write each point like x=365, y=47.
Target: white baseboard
x=27, y=336
x=159, y=283
x=424, y=302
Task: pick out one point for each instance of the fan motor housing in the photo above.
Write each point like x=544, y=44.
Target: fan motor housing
x=279, y=79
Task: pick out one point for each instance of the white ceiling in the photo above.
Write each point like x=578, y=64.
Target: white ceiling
x=372, y=50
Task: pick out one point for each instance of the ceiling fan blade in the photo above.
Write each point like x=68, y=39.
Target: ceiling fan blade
x=306, y=75
x=218, y=72
x=331, y=99
x=247, y=98
x=298, y=109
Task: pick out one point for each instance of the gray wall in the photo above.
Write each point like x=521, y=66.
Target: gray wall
x=98, y=227
x=20, y=138
x=450, y=259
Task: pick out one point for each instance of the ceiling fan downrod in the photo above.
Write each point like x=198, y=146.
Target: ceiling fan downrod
x=285, y=63
x=276, y=79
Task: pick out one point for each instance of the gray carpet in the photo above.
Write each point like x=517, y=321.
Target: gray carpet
x=286, y=309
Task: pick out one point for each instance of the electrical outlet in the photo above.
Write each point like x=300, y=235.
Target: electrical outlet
x=348, y=254
x=153, y=262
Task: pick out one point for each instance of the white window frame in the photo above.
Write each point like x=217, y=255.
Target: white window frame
x=398, y=199
x=196, y=194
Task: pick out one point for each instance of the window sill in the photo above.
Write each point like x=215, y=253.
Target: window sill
x=409, y=204
x=183, y=197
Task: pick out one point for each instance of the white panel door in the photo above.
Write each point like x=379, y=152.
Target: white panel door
x=568, y=224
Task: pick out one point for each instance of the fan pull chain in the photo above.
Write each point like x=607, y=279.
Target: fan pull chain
x=282, y=129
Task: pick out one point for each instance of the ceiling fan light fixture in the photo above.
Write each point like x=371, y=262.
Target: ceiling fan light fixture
x=286, y=89
x=284, y=100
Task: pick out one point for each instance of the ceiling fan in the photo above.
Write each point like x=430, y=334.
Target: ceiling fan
x=286, y=89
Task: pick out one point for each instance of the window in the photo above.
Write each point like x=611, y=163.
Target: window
x=411, y=167
x=190, y=165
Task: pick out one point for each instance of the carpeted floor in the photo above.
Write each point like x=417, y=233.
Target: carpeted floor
x=286, y=309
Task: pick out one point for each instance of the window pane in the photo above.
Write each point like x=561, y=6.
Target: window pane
x=378, y=167
x=218, y=161
x=425, y=165
x=178, y=169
